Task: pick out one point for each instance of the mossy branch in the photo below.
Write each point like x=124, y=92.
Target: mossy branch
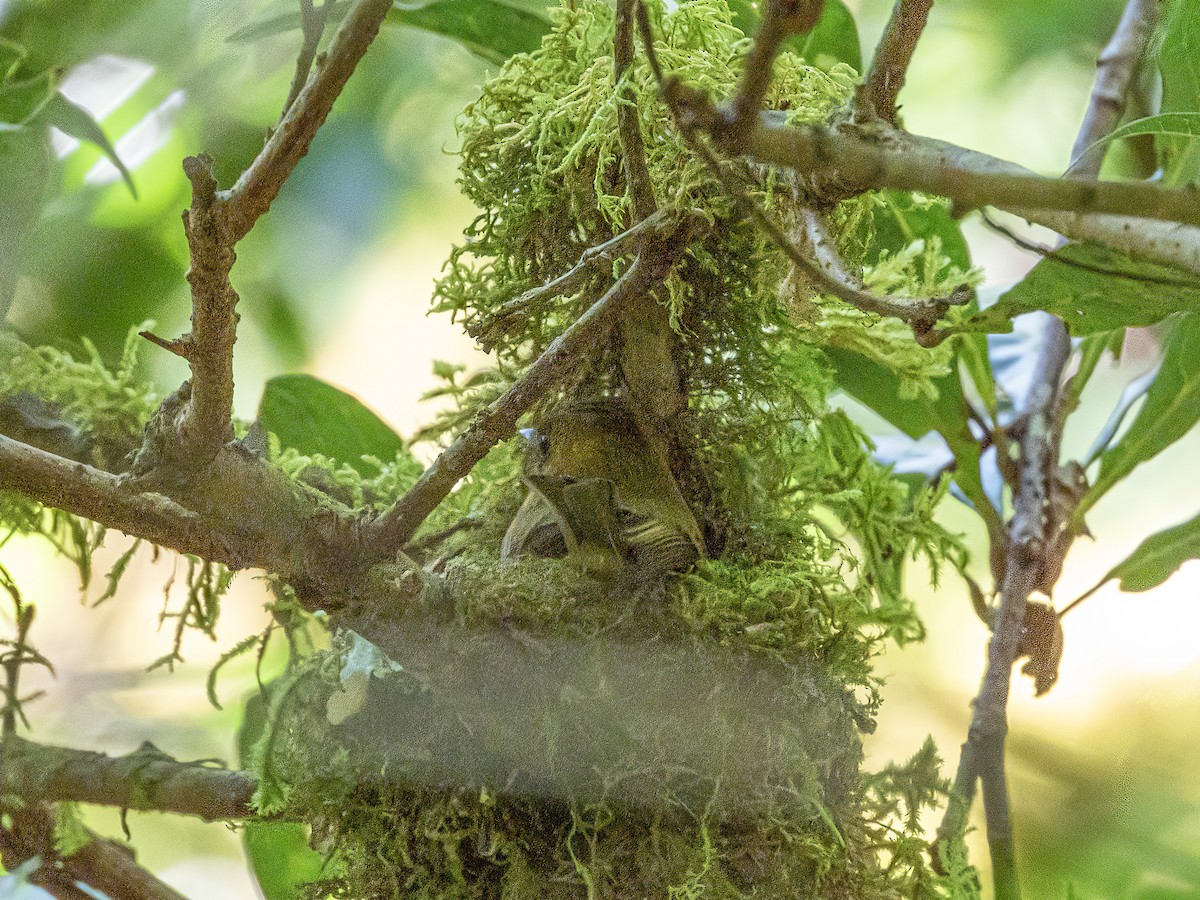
x=146, y=779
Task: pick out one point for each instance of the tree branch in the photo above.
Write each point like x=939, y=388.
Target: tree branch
x=101, y=864
x=395, y=528
x=780, y=20
x=641, y=190
x=1029, y=532
x=1116, y=68
x=258, y=186
x=146, y=779
x=84, y=491
x=912, y=164
x=193, y=427
x=876, y=96
x=515, y=311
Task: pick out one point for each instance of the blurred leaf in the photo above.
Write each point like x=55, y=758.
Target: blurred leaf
x=1134, y=391
x=1186, y=124
x=1158, y=557
x=1095, y=289
x=1179, y=65
x=77, y=122
x=901, y=219
x=278, y=852
x=491, y=29
x=1091, y=349
x=833, y=40
x=314, y=417
x=1172, y=407
x=25, y=167
x=22, y=100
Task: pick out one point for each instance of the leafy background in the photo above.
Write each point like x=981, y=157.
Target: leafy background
x=335, y=282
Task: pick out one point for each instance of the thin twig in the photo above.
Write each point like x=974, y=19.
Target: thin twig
x=102, y=865
x=498, y=421
x=876, y=97
x=633, y=152
x=781, y=19
x=258, y=186
x=312, y=27
x=504, y=319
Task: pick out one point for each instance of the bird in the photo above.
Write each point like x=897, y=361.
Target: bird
x=600, y=495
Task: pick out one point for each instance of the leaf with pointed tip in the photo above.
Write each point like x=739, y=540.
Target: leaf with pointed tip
x=1158, y=557
x=1093, y=288
x=1179, y=124
x=1134, y=391
x=1172, y=407
x=311, y=416
x=77, y=122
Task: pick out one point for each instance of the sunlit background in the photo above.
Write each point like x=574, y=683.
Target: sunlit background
x=336, y=281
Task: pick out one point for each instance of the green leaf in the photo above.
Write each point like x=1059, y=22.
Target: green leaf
x=1158, y=557
x=1184, y=124
x=78, y=123
x=901, y=219
x=21, y=101
x=1179, y=64
x=26, y=165
x=1093, y=288
x=834, y=39
x=311, y=416
x=278, y=852
x=1172, y=407
x=491, y=29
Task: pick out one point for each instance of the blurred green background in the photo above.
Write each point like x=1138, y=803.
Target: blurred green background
x=335, y=281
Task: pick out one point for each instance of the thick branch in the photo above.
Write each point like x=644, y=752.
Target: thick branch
x=102, y=497
x=877, y=95
x=499, y=420
x=101, y=864
x=258, y=186
x=146, y=779
x=912, y=164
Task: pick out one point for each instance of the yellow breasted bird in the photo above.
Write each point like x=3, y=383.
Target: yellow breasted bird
x=599, y=494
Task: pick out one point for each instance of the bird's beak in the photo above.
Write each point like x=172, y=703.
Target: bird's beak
x=528, y=433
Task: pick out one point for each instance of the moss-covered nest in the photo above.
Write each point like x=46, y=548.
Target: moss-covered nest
x=559, y=735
